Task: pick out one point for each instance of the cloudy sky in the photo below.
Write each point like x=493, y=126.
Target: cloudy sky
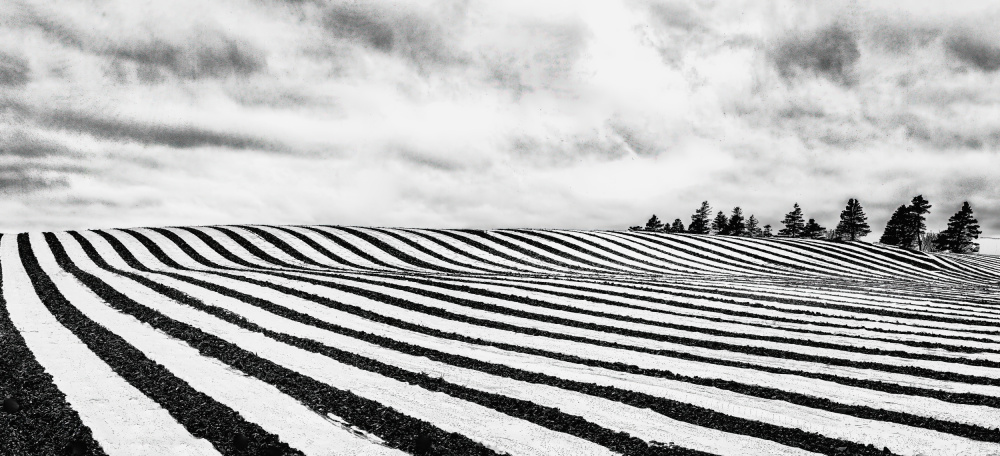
x=482, y=113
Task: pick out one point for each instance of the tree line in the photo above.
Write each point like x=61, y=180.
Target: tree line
x=906, y=228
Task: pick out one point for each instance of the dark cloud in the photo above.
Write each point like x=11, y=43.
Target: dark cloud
x=974, y=50
x=836, y=138
x=831, y=52
x=168, y=135
x=24, y=144
x=421, y=39
x=18, y=180
x=206, y=54
x=576, y=148
x=62, y=33
x=988, y=216
x=414, y=157
x=901, y=38
x=219, y=55
x=203, y=52
x=958, y=189
x=152, y=53
x=14, y=70
x=368, y=27
x=796, y=111
x=941, y=136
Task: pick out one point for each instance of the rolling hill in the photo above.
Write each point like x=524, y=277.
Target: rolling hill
x=318, y=340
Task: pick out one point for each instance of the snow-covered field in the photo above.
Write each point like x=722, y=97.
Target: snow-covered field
x=315, y=340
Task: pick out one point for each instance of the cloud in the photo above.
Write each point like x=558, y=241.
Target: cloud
x=14, y=182
x=205, y=53
x=419, y=36
x=54, y=28
x=26, y=144
x=831, y=52
x=177, y=136
x=14, y=70
x=369, y=28
x=536, y=56
x=20, y=178
x=900, y=36
x=194, y=51
x=675, y=15
x=975, y=50
x=455, y=113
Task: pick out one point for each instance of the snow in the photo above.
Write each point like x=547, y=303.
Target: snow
x=123, y=420
x=255, y=400
x=849, y=276
x=492, y=428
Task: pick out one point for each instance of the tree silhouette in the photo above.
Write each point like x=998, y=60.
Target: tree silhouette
x=915, y=225
x=753, y=227
x=853, y=222
x=766, y=232
x=963, y=229
x=654, y=224
x=721, y=224
x=701, y=220
x=794, y=224
x=813, y=230
x=737, y=224
x=677, y=226
x=895, y=228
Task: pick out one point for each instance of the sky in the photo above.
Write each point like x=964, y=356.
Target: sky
x=583, y=114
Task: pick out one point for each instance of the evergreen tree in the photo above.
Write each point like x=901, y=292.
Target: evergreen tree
x=677, y=227
x=737, y=225
x=961, y=233
x=766, y=232
x=915, y=225
x=895, y=228
x=853, y=222
x=753, y=227
x=813, y=230
x=654, y=224
x=942, y=242
x=721, y=224
x=635, y=228
x=701, y=220
x=793, y=223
